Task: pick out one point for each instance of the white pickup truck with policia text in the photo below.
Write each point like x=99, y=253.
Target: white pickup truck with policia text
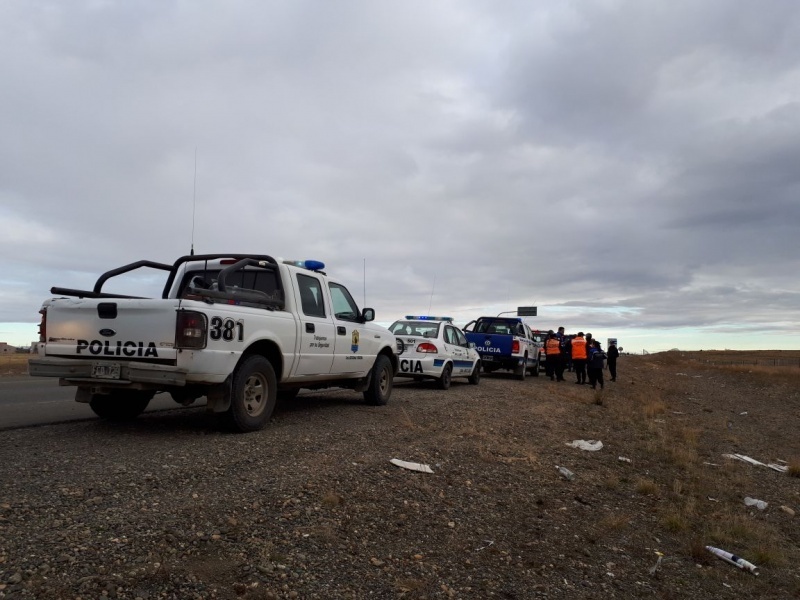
x=238, y=329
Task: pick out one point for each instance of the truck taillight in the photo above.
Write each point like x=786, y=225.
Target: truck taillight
x=515, y=347
x=427, y=348
x=191, y=330
x=43, y=326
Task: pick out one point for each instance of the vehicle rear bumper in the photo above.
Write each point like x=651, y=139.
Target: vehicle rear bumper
x=74, y=371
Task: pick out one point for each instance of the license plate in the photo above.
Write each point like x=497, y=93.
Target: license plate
x=105, y=371
x=488, y=359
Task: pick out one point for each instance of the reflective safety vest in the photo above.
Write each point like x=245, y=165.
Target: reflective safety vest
x=552, y=347
x=578, y=348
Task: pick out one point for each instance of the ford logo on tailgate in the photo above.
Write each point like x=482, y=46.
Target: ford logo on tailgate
x=107, y=332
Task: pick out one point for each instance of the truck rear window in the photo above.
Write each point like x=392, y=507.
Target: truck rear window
x=257, y=279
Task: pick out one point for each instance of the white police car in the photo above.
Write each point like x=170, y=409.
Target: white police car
x=434, y=348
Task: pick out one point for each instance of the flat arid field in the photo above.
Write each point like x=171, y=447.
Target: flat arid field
x=169, y=506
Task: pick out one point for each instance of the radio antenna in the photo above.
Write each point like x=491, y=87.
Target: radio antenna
x=365, y=282
x=194, y=200
x=432, y=290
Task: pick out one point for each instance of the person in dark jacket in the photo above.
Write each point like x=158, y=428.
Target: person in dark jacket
x=613, y=355
x=594, y=365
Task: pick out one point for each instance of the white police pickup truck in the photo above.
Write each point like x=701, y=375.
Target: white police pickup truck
x=236, y=328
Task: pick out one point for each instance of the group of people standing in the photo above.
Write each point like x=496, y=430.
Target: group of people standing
x=580, y=353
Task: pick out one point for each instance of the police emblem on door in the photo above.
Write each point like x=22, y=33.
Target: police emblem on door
x=354, y=339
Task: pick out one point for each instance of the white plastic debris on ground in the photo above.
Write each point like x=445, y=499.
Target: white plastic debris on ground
x=757, y=463
x=588, y=445
x=411, y=466
x=759, y=504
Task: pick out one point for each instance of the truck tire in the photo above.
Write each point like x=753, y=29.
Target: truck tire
x=253, y=395
x=535, y=370
x=475, y=376
x=380, y=382
x=121, y=405
x=521, y=371
x=443, y=383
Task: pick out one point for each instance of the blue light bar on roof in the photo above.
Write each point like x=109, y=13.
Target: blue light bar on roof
x=428, y=318
x=311, y=265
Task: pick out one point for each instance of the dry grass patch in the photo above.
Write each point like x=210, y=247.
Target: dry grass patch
x=675, y=522
x=646, y=487
x=793, y=468
x=653, y=408
x=14, y=364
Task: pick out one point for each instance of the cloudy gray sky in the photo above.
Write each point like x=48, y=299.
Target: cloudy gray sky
x=630, y=167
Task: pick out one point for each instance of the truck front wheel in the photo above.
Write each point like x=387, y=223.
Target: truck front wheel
x=120, y=405
x=380, y=382
x=253, y=395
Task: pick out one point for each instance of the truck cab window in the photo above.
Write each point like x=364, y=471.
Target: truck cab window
x=310, y=296
x=344, y=307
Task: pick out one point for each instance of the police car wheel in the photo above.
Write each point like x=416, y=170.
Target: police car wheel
x=475, y=376
x=380, y=382
x=446, y=377
x=120, y=405
x=253, y=395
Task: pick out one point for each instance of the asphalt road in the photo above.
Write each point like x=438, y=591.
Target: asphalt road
x=28, y=401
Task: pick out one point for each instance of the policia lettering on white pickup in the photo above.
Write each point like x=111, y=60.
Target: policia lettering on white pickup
x=108, y=348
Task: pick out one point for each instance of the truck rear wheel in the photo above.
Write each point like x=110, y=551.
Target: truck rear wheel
x=521, y=371
x=253, y=395
x=380, y=382
x=120, y=405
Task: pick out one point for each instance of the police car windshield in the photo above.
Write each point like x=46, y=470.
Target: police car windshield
x=418, y=328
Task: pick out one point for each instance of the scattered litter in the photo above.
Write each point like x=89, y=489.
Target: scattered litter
x=759, y=504
x=743, y=414
x=752, y=461
x=411, y=466
x=624, y=459
x=684, y=374
x=733, y=559
x=678, y=412
x=712, y=464
x=783, y=462
x=655, y=568
x=588, y=445
x=487, y=542
x=711, y=499
x=565, y=473
x=787, y=510
x=727, y=585
x=659, y=421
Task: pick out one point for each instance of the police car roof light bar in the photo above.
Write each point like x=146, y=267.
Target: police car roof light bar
x=428, y=318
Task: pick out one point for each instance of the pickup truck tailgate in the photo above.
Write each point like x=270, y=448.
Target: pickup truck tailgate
x=491, y=343
x=113, y=329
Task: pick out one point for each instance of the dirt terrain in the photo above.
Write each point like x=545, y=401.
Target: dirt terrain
x=171, y=507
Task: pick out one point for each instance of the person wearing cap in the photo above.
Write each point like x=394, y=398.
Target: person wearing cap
x=594, y=365
x=579, y=357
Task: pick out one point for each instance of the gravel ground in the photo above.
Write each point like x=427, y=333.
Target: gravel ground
x=171, y=507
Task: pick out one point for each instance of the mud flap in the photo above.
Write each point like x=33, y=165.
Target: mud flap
x=218, y=398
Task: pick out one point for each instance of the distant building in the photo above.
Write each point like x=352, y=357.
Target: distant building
x=6, y=349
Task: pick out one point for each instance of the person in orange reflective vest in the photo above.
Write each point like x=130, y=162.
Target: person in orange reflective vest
x=554, y=367
x=579, y=357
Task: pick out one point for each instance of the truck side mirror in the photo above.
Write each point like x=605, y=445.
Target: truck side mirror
x=368, y=314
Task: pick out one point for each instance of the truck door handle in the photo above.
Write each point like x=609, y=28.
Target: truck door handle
x=341, y=330
x=309, y=328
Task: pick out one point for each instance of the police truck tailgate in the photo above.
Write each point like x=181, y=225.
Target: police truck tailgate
x=124, y=329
